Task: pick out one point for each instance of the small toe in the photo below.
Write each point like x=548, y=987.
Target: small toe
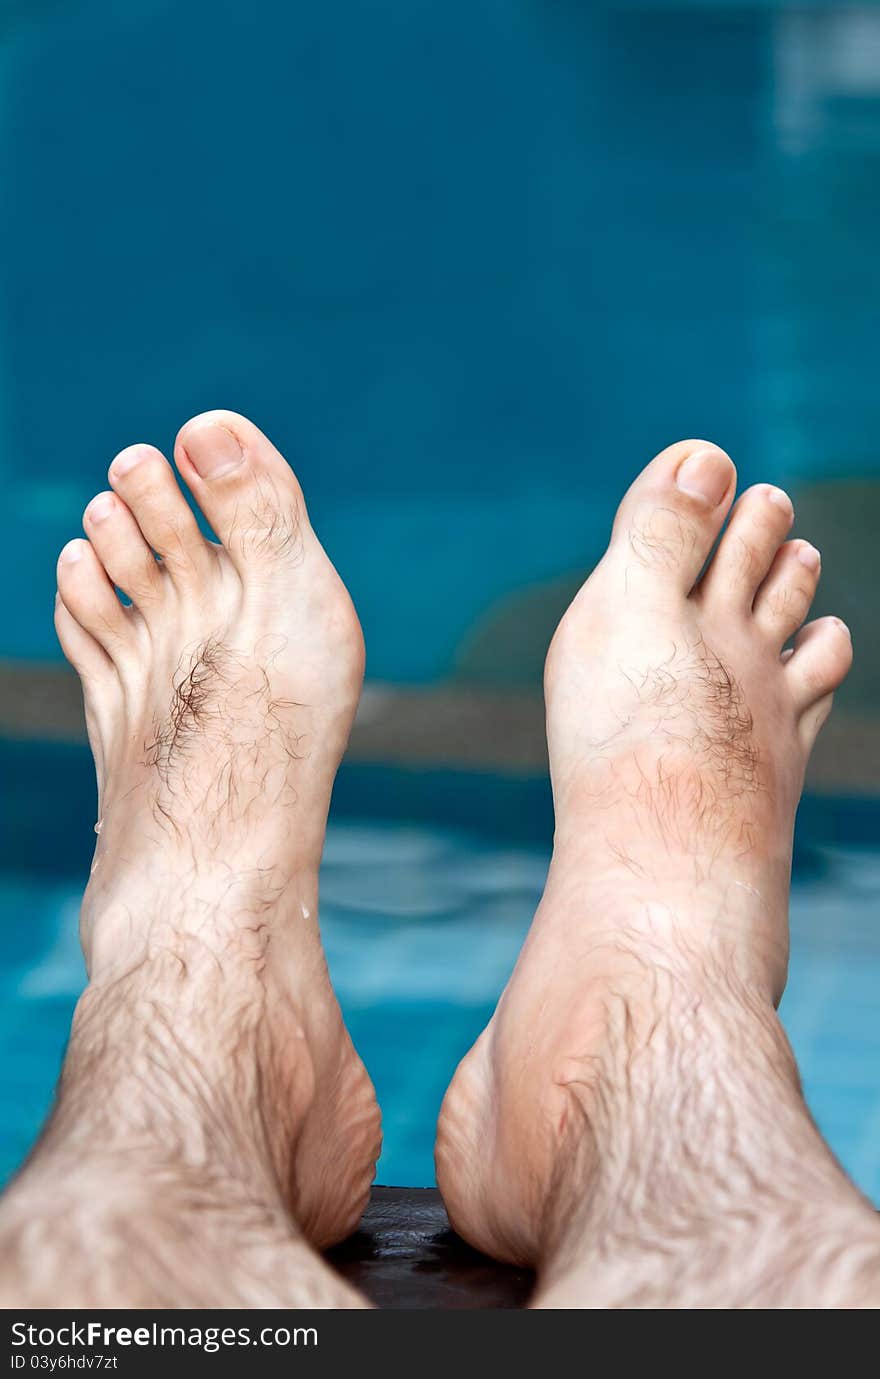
x=670, y=517
x=760, y=521
x=783, y=600
x=145, y=481
x=820, y=661
x=90, y=598
x=119, y=544
x=244, y=486
x=87, y=657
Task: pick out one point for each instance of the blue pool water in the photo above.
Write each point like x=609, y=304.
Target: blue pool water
x=469, y=265
x=422, y=926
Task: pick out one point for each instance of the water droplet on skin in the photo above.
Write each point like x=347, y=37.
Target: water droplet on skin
x=99, y=825
x=752, y=890
x=306, y=912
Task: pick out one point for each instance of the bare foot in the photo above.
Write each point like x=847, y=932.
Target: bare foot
x=219, y=704
x=679, y=730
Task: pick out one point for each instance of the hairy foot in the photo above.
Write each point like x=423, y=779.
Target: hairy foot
x=679, y=729
x=219, y=701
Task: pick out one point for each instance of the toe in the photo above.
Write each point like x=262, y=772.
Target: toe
x=87, y=657
x=246, y=489
x=819, y=663
x=671, y=515
x=783, y=600
x=145, y=481
x=761, y=520
x=90, y=598
x=119, y=544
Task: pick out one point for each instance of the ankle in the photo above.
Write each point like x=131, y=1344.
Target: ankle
x=695, y=1121
x=166, y=1069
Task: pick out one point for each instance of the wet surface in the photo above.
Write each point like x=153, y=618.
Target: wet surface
x=406, y=1256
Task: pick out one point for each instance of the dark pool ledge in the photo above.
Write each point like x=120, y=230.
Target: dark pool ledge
x=406, y=1256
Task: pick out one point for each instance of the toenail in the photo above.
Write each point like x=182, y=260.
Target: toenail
x=72, y=551
x=843, y=627
x=781, y=499
x=705, y=475
x=100, y=507
x=127, y=459
x=213, y=451
x=809, y=556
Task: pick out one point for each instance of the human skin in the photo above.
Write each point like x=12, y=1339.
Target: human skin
x=631, y=1121
x=214, y=1124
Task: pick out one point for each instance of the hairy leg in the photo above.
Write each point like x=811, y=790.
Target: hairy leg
x=213, y=1122
x=690, y=1173
x=162, y=1178
x=631, y=1120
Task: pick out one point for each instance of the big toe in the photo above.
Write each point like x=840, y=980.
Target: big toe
x=671, y=515
x=246, y=489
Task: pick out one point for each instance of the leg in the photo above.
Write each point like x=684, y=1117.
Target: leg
x=213, y=1122
x=631, y=1120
